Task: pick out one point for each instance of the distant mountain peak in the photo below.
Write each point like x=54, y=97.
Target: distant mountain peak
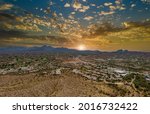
x=122, y=51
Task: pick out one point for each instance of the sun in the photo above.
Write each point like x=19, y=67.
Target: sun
x=81, y=47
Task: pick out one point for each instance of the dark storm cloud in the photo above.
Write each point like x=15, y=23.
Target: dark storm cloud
x=4, y=16
x=105, y=28
x=10, y=34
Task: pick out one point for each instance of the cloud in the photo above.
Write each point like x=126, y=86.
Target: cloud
x=6, y=17
x=107, y=4
x=145, y=0
x=77, y=5
x=5, y=34
x=11, y=22
x=106, y=37
x=85, y=7
x=106, y=13
x=130, y=30
x=131, y=24
x=5, y=7
x=16, y=37
x=74, y=26
x=138, y=33
x=67, y=5
x=88, y=18
x=112, y=7
x=21, y=27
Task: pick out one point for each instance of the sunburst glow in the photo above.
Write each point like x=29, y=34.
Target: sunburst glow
x=81, y=47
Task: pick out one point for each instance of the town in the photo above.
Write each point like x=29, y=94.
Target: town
x=108, y=68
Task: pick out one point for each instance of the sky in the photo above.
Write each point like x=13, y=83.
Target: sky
x=105, y=25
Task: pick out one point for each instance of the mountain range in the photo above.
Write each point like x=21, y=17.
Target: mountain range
x=50, y=49
x=43, y=49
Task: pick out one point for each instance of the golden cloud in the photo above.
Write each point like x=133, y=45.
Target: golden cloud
x=5, y=7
